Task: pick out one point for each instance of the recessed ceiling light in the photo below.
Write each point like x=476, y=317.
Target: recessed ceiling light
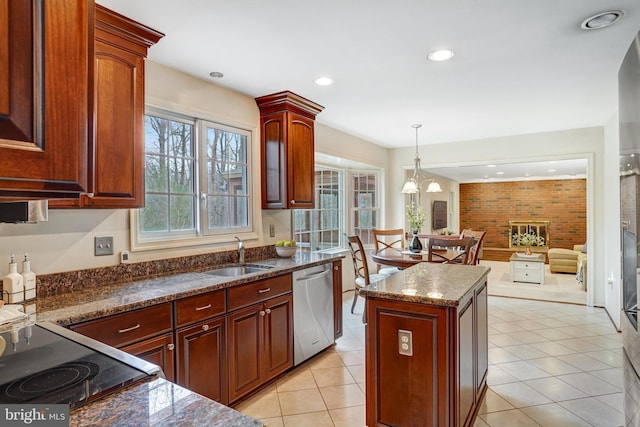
x=551, y=170
x=499, y=173
x=441, y=55
x=323, y=81
x=216, y=74
x=601, y=20
x=491, y=166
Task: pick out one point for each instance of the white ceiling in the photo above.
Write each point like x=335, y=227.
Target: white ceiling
x=520, y=66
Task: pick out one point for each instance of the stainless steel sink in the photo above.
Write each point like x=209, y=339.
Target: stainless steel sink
x=237, y=270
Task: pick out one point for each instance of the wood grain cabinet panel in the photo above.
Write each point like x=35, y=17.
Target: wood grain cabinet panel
x=202, y=358
x=200, y=307
x=159, y=350
x=46, y=51
x=117, y=154
x=260, y=344
x=126, y=328
x=337, y=299
x=443, y=379
x=287, y=150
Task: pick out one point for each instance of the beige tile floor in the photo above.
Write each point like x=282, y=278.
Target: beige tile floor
x=550, y=364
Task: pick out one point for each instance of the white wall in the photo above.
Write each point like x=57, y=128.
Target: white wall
x=611, y=222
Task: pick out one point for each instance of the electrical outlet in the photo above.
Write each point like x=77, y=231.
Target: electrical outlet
x=103, y=246
x=124, y=257
x=405, y=342
x=272, y=230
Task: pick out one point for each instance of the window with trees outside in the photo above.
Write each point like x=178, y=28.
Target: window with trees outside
x=321, y=228
x=364, y=205
x=196, y=182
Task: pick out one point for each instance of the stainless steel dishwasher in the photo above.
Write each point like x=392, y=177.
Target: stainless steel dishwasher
x=313, y=328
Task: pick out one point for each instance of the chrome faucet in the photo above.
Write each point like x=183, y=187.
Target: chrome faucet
x=240, y=250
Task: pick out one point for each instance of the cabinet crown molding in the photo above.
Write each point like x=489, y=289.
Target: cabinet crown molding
x=288, y=101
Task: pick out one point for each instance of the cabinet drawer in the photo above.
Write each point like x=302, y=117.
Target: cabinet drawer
x=200, y=307
x=526, y=265
x=523, y=275
x=126, y=328
x=243, y=295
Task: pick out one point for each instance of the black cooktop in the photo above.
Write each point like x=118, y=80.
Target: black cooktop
x=39, y=365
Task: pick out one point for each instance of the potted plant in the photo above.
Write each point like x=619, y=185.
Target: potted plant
x=416, y=218
x=527, y=240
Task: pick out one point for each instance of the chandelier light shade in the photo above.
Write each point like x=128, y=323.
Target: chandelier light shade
x=434, y=187
x=411, y=186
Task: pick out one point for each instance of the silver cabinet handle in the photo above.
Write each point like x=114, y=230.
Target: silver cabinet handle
x=205, y=327
x=122, y=331
x=203, y=308
x=262, y=291
x=262, y=313
x=171, y=346
x=268, y=310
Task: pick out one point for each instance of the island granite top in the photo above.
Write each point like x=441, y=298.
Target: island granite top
x=158, y=403
x=429, y=283
x=104, y=300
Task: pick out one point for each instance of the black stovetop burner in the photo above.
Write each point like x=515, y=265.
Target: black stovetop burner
x=49, y=381
x=45, y=363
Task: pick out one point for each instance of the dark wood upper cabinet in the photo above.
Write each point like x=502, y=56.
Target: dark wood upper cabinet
x=46, y=70
x=287, y=150
x=116, y=162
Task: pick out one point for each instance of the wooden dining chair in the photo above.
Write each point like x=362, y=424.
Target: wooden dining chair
x=449, y=251
x=361, y=269
x=476, y=250
x=384, y=239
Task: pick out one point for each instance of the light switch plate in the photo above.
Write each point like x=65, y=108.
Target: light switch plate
x=103, y=246
x=405, y=342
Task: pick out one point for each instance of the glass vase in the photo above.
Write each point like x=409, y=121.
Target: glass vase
x=415, y=245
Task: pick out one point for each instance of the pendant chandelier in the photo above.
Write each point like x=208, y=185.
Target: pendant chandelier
x=412, y=185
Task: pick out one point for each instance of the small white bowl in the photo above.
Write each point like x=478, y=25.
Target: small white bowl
x=286, y=251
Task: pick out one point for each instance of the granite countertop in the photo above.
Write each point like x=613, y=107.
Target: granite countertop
x=429, y=283
x=95, y=302
x=158, y=403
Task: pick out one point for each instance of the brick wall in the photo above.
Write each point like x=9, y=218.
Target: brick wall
x=490, y=206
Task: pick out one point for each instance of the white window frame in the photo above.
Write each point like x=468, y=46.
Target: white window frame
x=197, y=237
x=377, y=209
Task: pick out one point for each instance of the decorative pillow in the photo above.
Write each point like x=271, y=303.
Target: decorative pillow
x=584, y=248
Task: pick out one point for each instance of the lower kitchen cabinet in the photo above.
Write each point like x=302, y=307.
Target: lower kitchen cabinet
x=158, y=350
x=260, y=344
x=201, y=358
x=337, y=299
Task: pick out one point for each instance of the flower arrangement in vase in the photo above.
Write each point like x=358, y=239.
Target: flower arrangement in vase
x=416, y=218
x=527, y=240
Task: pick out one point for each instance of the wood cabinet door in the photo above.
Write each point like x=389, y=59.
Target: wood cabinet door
x=273, y=156
x=482, y=335
x=300, y=162
x=278, y=336
x=46, y=51
x=244, y=350
x=337, y=299
x=466, y=360
x=201, y=358
x=159, y=351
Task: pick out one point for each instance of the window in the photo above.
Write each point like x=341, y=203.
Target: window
x=196, y=179
x=324, y=227
x=321, y=228
x=364, y=205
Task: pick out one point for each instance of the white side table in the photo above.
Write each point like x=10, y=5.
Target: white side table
x=529, y=269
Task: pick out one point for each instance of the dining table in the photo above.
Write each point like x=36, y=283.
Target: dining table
x=403, y=258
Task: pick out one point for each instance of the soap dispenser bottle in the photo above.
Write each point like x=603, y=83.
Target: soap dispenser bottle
x=28, y=279
x=12, y=285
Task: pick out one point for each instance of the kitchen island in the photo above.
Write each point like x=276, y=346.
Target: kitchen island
x=427, y=346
